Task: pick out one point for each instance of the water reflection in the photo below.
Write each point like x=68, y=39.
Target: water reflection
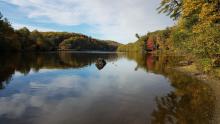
x=24, y=62
x=192, y=101
x=131, y=89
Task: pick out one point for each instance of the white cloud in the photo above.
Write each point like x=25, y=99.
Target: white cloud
x=112, y=19
x=30, y=27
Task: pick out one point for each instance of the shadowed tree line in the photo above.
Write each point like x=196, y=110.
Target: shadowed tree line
x=25, y=40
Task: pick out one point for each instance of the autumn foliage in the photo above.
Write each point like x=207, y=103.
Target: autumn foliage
x=25, y=40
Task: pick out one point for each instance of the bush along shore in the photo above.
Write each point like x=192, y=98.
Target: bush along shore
x=196, y=35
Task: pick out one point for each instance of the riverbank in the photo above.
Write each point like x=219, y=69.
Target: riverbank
x=189, y=65
x=193, y=71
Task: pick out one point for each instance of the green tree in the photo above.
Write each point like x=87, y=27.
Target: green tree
x=8, y=38
x=24, y=38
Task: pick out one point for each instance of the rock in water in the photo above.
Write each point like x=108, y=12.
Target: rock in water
x=100, y=63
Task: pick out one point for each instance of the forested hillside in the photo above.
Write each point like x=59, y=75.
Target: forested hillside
x=152, y=41
x=25, y=40
x=133, y=47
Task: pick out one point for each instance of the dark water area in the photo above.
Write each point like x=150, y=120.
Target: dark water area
x=131, y=88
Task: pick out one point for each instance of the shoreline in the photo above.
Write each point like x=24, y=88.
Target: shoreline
x=191, y=70
x=213, y=82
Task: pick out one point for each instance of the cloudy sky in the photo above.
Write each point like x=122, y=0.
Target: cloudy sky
x=104, y=19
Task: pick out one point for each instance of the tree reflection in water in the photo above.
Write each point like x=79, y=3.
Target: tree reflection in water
x=191, y=101
x=25, y=62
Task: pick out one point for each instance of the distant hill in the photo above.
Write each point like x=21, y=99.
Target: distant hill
x=25, y=40
x=78, y=42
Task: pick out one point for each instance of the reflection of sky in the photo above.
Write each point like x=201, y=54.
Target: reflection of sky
x=85, y=95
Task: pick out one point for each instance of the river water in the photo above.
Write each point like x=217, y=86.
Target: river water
x=70, y=88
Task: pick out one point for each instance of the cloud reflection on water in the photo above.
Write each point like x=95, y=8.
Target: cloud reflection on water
x=115, y=93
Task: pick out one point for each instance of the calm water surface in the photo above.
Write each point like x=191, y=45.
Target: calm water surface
x=68, y=88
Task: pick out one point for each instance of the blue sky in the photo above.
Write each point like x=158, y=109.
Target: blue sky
x=115, y=20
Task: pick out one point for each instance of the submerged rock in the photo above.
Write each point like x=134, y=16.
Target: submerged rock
x=100, y=63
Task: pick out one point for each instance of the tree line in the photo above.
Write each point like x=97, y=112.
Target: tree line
x=25, y=40
x=196, y=33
